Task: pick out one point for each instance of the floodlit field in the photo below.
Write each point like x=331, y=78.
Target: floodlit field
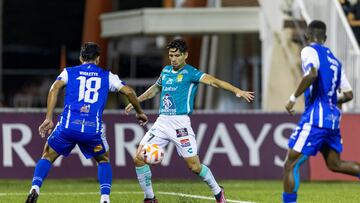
x=182, y=191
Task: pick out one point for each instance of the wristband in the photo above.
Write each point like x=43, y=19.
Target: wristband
x=292, y=98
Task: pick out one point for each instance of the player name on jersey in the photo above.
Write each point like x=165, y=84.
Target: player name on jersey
x=88, y=73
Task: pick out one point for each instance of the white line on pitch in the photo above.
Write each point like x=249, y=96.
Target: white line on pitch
x=97, y=193
x=198, y=197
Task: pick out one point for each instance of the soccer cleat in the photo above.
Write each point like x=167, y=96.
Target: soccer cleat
x=220, y=198
x=32, y=197
x=150, y=200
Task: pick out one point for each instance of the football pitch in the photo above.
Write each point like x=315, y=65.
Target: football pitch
x=179, y=191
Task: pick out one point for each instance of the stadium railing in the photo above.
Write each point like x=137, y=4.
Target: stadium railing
x=341, y=38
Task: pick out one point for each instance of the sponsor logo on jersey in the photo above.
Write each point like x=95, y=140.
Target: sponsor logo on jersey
x=190, y=150
x=169, y=81
x=168, y=105
x=98, y=148
x=168, y=102
x=85, y=108
x=170, y=89
x=182, y=132
x=332, y=117
x=83, y=122
x=184, y=72
x=179, y=77
x=185, y=143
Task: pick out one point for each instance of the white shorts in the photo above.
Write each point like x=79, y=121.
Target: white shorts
x=175, y=129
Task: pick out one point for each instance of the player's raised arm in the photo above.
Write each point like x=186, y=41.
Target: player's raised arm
x=48, y=124
x=131, y=95
x=213, y=81
x=148, y=94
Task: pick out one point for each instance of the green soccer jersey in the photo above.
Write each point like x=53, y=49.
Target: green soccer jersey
x=178, y=89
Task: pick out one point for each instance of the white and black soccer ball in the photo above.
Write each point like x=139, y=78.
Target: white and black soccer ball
x=152, y=154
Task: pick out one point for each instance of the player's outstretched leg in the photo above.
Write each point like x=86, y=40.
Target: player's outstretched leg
x=41, y=170
x=292, y=175
x=335, y=164
x=104, y=176
x=143, y=173
x=205, y=174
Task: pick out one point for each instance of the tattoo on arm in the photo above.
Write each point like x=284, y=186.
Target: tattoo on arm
x=213, y=84
x=149, y=93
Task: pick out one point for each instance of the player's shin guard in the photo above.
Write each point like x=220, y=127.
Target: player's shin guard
x=41, y=170
x=206, y=175
x=105, y=177
x=144, y=177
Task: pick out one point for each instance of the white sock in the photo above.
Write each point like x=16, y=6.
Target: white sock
x=105, y=198
x=206, y=175
x=144, y=178
x=37, y=189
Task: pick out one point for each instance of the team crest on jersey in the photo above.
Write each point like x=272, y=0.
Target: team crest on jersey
x=179, y=77
x=85, y=108
x=98, y=148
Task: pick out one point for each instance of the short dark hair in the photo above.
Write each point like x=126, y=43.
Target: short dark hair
x=317, y=29
x=89, y=51
x=178, y=44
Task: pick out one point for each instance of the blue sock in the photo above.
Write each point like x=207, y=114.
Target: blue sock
x=105, y=177
x=41, y=170
x=358, y=176
x=289, y=197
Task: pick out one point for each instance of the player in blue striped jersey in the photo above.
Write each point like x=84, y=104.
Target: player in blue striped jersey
x=178, y=84
x=318, y=129
x=87, y=88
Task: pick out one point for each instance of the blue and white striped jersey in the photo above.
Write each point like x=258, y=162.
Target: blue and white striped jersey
x=87, y=88
x=321, y=96
x=178, y=89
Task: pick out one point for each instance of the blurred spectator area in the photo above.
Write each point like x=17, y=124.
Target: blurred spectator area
x=35, y=32
x=227, y=48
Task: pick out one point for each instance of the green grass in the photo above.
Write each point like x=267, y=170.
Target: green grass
x=128, y=191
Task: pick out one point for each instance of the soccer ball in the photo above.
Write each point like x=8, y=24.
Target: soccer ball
x=152, y=154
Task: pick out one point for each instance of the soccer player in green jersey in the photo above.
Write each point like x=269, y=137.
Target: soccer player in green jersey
x=178, y=84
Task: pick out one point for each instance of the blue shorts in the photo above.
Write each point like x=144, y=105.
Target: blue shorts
x=64, y=140
x=308, y=139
